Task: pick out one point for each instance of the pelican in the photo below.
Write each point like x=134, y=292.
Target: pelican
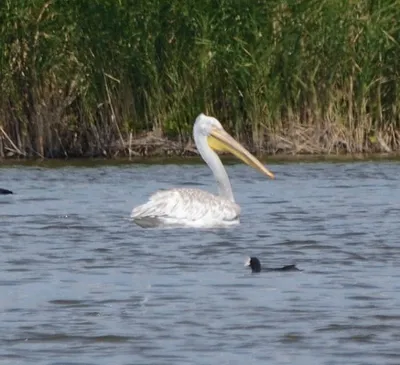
x=195, y=207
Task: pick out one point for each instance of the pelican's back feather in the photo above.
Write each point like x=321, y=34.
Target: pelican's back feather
x=187, y=205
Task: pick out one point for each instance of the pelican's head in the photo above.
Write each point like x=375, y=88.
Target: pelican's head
x=219, y=140
x=205, y=124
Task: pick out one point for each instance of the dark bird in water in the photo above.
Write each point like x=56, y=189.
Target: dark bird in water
x=5, y=191
x=255, y=265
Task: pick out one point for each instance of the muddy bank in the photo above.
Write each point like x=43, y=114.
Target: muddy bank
x=151, y=148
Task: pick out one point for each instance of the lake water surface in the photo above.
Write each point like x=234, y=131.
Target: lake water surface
x=81, y=284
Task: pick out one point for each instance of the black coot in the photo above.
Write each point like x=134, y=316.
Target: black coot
x=5, y=191
x=255, y=265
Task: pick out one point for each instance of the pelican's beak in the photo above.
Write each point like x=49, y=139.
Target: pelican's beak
x=220, y=140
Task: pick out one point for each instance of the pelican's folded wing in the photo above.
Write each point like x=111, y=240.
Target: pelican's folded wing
x=187, y=205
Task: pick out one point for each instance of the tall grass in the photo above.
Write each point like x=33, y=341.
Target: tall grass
x=83, y=78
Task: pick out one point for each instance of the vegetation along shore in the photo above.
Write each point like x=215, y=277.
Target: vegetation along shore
x=127, y=78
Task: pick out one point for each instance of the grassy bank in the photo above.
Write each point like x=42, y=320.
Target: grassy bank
x=113, y=78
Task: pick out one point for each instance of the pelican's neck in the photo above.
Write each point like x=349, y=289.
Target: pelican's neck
x=216, y=166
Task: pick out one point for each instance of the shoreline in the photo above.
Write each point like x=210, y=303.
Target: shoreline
x=281, y=158
x=152, y=149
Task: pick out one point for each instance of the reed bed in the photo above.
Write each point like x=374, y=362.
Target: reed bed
x=112, y=78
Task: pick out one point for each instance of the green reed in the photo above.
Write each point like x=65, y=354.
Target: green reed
x=79, y=78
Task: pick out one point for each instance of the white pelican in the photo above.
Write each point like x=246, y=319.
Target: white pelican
x=194, y=207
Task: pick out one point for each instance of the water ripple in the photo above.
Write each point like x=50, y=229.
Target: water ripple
x=81, y=284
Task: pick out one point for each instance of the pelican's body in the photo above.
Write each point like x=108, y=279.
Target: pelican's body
x=195, y=207
x=186, y=207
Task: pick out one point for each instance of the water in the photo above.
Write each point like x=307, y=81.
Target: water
x=81, y=284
